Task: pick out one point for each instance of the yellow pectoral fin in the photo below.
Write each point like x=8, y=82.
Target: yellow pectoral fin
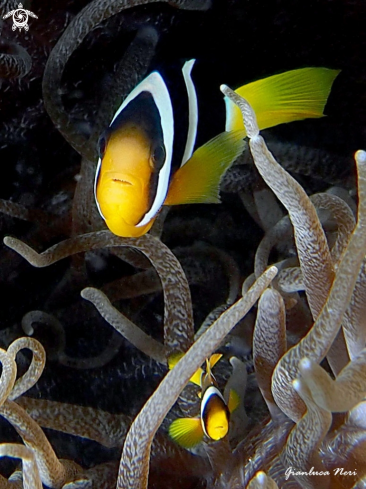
x=198, y=181
x=214, y=359
x=187, y=432
x=196, y=377
x=234, y=401
x=291, y=96
x=174, y=359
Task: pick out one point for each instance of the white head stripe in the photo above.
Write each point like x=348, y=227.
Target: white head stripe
x=95, y=186
x=209, y=392
x=155, y=85
x=192, y=110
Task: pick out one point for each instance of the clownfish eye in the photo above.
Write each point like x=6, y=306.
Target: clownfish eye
x=102, y=143
x=158, y=157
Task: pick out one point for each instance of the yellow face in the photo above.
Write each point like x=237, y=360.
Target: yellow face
x=123, y=183
x=217, y=421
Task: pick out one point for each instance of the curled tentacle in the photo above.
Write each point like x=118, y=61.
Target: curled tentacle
x=53, y=473
x=124, y=326
x=30, y=378
x=302, y=447
x=8, y=375
x=318, y=341
x=15, y=62
x=31, y=478
x=178, y=321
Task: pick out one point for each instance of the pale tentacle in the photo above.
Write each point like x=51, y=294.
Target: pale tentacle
x=107, y=429
x=8, y=375
x=290, y=280
x=53, y=472
x=124, y=326
x=269, y=342
x=354, y=323
x=35, y=369
x=178, y=320
x=31, y=478
x=317, y=342
x=262, y=481
x=85, y=215
x=338, y=395
x=301, y=450
x=311, y=243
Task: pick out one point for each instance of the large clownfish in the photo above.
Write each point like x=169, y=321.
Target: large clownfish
x=215, y=412
x=135, y=177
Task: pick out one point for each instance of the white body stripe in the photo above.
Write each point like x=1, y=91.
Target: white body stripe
x=192, y=110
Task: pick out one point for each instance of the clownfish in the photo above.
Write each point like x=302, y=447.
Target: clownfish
x=135, y=176
x=215, y=412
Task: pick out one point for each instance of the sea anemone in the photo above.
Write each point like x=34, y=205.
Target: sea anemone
x=292, y=334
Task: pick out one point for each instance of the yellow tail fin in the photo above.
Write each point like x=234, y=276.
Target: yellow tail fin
x=291, y=96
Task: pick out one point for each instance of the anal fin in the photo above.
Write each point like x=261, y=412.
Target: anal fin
x=198, y=181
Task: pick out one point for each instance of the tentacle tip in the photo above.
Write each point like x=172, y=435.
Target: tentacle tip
x=272, y=270
x=305, y=364
x=8, y=241
x=360, y=156
x=85, y=293
x=224, y=89
x=261, y=477
x=296, y=384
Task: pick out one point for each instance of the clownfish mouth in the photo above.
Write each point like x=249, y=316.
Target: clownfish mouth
x=124, y=182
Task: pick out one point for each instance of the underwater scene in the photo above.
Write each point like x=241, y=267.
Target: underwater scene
x=183, y=241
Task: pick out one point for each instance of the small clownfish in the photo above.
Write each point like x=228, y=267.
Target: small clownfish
x=135, y=177
x=215, y=412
